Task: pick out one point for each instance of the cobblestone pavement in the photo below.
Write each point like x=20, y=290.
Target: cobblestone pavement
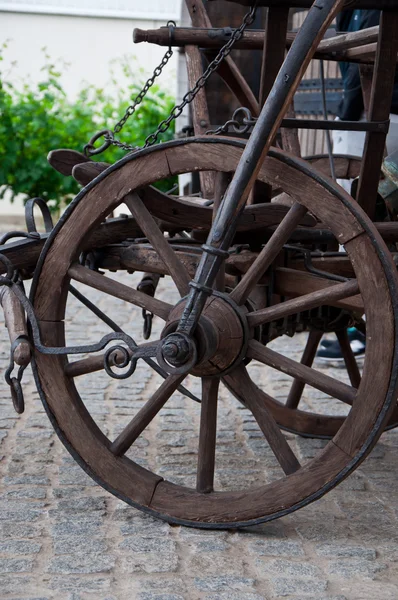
x=63, y=537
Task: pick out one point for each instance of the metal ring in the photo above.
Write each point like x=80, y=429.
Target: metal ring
x=171, y=25
x=90, y=150
x=247, y=116
x=30, y=217
x=201, y=288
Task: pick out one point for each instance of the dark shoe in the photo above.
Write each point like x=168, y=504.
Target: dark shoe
x=331, y=351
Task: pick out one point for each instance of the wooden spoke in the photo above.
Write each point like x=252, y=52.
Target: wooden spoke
x=148, y=225
x=207, y=435
x=269, y=253
x=92, y=364
x=146, y=415
x=350, y=361
x=323, y=297
x=318, y=380
x=296, y=391
x=119, y=290
x=254, y=401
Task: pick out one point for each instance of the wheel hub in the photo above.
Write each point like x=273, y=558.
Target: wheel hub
x=220, y=337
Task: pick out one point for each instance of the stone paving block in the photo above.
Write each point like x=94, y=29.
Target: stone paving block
x=291, y=586
x=216, y=564
x=79, y=544
x=19, y=547
x=290, y=568
x=81, y=563
x=15, y=565
x=276, y=548
x=356, y=568
x=144, y=545
x=74, y=475
x=221, y=583
x=150, y=563
x=336, y=550
x=235, y=596
x=156, y=596
x=34, y=493
x=13, y=584
x=19, y=530
x=78, y=527
x=27, y=480
x=19, y=515
x=72, y=583
x=67, y=491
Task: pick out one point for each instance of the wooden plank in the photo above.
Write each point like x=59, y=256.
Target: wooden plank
x=380, y=107
x=274, y=48
x=200, y=111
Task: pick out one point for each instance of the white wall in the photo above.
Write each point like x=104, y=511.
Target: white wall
x=87, y=44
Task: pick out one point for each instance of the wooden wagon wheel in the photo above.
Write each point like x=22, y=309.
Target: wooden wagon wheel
x=104, y=459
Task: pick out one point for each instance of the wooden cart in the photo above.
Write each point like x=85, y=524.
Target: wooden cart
x=267, y=244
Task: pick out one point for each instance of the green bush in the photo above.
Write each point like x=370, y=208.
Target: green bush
x=39, y=117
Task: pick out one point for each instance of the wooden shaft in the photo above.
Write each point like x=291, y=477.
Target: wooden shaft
x=15, y=321
x=149, y=226
x=303, y=303
x=350, y=46
x=293, y=283
x=254, y=401
x=318, y=380
x=269, y=253
x=350, y=361
x=296, y=391
x=207, y=436
x=146, y=415
x=119, y=290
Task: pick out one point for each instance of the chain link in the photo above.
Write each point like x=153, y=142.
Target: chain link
x=177, y=110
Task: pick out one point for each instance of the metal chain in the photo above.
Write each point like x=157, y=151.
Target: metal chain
x=212, y=67
x=178, y=108
x=109, y=136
